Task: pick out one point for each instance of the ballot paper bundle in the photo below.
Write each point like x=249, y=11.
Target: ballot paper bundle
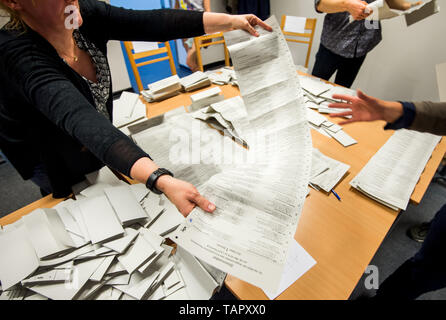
x=321, y=124
x=205, y=98
x=326, y=172
x=223, y=76
x=163, y=89
x=391, y=174
x=105, y=247
x=195, y=81
x=319, y=94
x=258, y=204
x=128, y=109
x=228, y=116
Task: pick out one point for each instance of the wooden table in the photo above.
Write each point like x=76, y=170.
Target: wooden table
x=341, y=236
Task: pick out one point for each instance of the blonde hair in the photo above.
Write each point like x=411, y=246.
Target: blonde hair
x=16, y=22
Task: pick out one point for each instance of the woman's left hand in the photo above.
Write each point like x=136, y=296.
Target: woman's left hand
x=247, y=22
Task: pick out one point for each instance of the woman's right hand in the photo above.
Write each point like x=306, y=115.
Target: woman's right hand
x=357, y=9
x=183, y=195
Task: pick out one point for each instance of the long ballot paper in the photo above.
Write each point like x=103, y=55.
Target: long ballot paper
x=258, y=204
x=391, y=174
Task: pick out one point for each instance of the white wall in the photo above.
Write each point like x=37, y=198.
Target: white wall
x=401, y=67
x=3, y=20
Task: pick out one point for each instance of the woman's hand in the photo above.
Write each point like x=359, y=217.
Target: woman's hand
x=366, y=108
x=247, y=22
x=183, y=195
x=222, y=22
x=357, y=9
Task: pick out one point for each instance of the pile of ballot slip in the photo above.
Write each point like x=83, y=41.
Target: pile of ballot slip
x=205, y=98
x=326, y=172
x=223, y=76
x=108, y=244
x=163, y=89
x=226, y=115
x=318, y=95
x=128, y=109
x=392, y=173
x=195, y=81
x=172, y=86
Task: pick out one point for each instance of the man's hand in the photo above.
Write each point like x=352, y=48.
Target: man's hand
x=366, y=108
x=183, y=195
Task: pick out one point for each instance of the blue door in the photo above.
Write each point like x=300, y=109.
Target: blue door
x=156, y=71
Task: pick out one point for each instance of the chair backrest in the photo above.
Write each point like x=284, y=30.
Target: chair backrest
x=206, y=41
x=133, y=57
x=310, y=25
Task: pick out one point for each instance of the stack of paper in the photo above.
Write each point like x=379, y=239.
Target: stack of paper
x=326, y=172
x=128, y=109
x=319, y=95
x=163, y=89
x=195, y=81
x=227, y=116
x=223, y=76
x=205, y=98
x=142, y=125
x=123, y=255
x=321, y=124
x=391, y=174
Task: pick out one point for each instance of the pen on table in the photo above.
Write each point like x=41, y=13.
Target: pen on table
x=336, y=195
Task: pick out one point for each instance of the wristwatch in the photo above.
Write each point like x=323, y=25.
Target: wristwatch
x=151, y=182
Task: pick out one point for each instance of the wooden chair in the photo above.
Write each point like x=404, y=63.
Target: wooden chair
x=137, y=56
x=311, y=26
x=206, y=41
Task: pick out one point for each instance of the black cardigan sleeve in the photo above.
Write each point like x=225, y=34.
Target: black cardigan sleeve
x=39, y=80
x=116, y=23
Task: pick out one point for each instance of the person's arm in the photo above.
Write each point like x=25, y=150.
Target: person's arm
x=114, y=23
x=207, y=5
x=221, y=22
x=418, y=116
x=402, y=4
x=34, y=74
x=355, y=7
x=430, y=117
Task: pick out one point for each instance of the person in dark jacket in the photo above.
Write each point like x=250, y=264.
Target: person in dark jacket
x=426, y=270
x=56, y=95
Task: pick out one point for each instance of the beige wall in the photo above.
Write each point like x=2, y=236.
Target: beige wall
x=3, y=20
x=401, y=67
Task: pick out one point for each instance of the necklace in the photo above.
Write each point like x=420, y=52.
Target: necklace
x=74, y=57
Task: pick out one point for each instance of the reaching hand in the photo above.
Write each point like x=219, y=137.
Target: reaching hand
x=402, y=4
x=247, y=22
x=357, y=9
x=183, y=195
x=366, y=108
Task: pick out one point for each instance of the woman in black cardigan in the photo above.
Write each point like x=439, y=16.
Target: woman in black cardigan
x=56, y=96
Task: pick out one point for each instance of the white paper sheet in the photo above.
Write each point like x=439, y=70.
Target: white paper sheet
x=18, y=258
x=297, y=264
x=100, y=219
x=295, y=24
x=125, y=204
